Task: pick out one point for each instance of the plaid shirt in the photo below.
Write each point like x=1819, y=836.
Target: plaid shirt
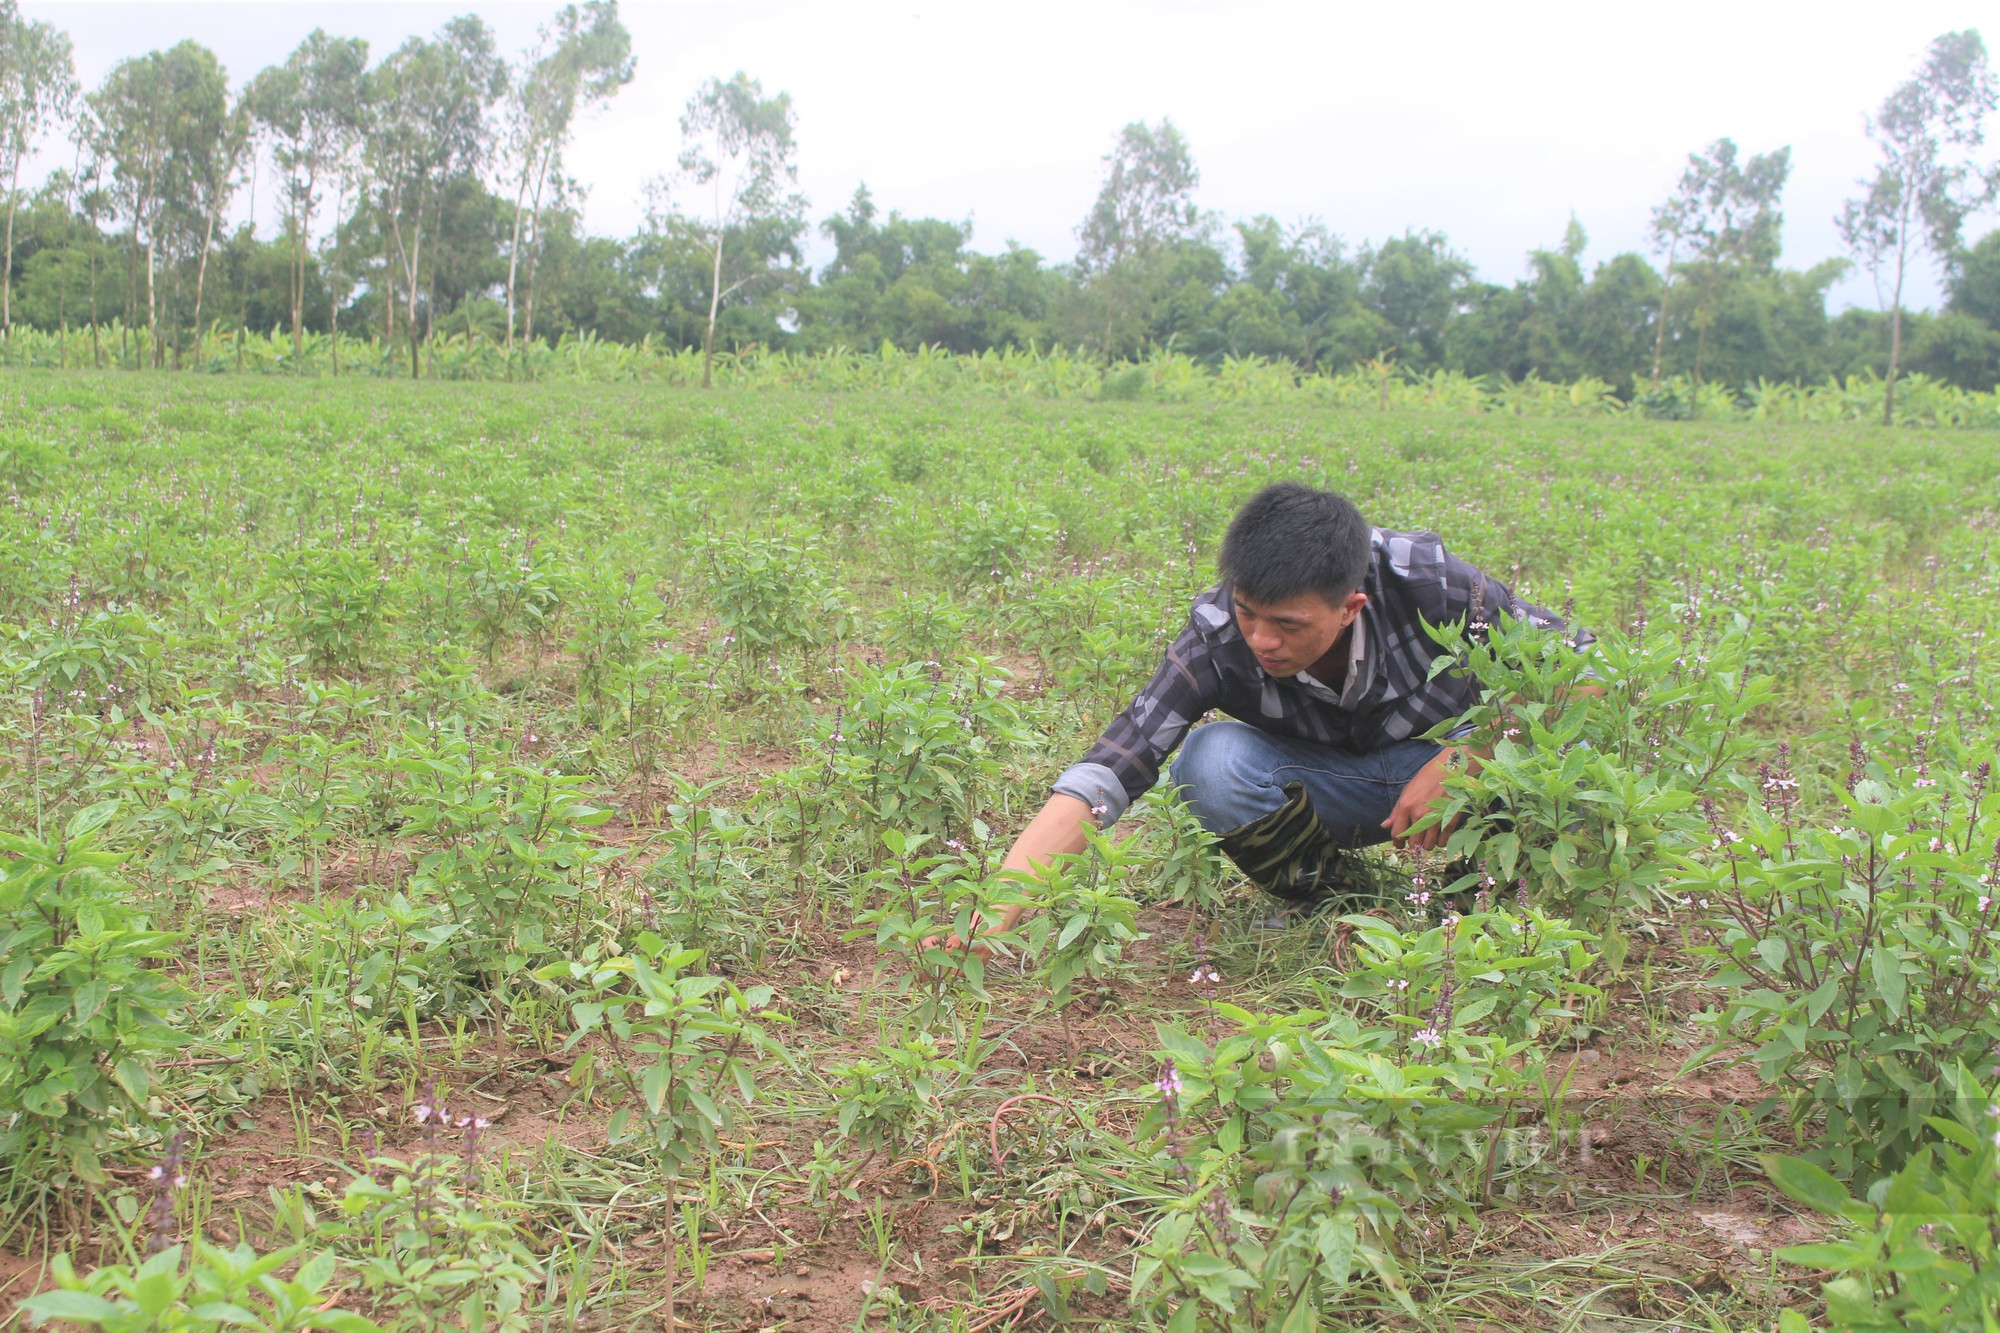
x=1388, y=696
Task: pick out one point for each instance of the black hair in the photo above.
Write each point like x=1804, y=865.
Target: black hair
x=1290, y=539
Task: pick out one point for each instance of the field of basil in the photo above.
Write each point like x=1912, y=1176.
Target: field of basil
x=465, y=853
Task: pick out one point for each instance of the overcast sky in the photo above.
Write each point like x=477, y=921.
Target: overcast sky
x=1491, y=123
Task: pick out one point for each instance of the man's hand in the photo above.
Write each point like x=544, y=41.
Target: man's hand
x=1056, y=831
x=979, y=948
x=1424, y=791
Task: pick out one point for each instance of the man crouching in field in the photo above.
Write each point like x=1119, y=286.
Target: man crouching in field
x=1314, y=644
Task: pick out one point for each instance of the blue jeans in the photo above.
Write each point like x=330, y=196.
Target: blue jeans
x=1235, y=774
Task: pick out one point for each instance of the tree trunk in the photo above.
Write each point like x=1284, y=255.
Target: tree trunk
x=714, y=303
x=388, y=283
x=96, y=352
x=152, y=305
x=7, y=265
x=514, y=253
x=334, y=293
x=200, y=282
x=300, y=241
x=1660, y=334
x=534, y=262
x=243, y=289
x=1895, y=360
x=173, y=325
x=62, y=314
x=1895, y=329
x=410, y=309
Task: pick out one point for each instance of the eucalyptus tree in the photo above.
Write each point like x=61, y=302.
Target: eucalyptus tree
x=160, y=121
x=310, y=109
x=1926, y=176
x=740, y=155
x=213, y=177
x=1721, y=222
x=1145, y=204
x=37, y=90
x=425, y=124
x=584, y=58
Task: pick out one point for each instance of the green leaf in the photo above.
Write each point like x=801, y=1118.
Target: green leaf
x=1052, y=1299
x=89, y=819
x=1836, y=1256
x=1807, y=1183
x=1887, y=972
x=90, y=998
x=132, y=1075
x=78, y=1307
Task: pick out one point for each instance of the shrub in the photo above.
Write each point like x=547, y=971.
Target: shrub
x=82, y=1012
x=331, y=602
x=1859, y=956
x=1921, y=1251
x=182, y=1291
x=770, y=594
x=920, y=745
x=1584, y=798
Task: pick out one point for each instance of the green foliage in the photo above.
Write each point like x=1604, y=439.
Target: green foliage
x=770, y=594
x=889, y=1098
x=82, y=1011
x=1084, y=919
x=1183, y=859
x=1858, y=956
x=920, y=903
x=1300, y=1191
x=181, y=1291
x=922, y=745
x=507, y=846
x=1583, y=791
x=428, y=1247
x=699, y=891
x=367, y=853
x=331, y=602
x=990, y=544
x=1921, y=1250
x=679, y=1044
x=1519, y=976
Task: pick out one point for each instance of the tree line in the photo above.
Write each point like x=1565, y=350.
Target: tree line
x=428, y=191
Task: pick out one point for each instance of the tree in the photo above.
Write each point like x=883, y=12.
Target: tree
x=160, y=119
x=1147, y=198
x=37, y=87
x=1925, y=134
x=213, y=178
x=1975, y=282
x=740, y=152
x=1297, y=295
x=1145, y=204
x=584, y=59
x=1414, y=284
x=1725, y=219
x=425, y=125
x=310, y=107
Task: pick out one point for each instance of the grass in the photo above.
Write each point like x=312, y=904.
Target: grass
x=327, y=646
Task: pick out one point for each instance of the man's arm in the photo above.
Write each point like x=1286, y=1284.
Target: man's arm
x=1427, y=787
x=1057, y=831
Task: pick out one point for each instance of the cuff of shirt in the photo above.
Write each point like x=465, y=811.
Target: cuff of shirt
x=1097, y=787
